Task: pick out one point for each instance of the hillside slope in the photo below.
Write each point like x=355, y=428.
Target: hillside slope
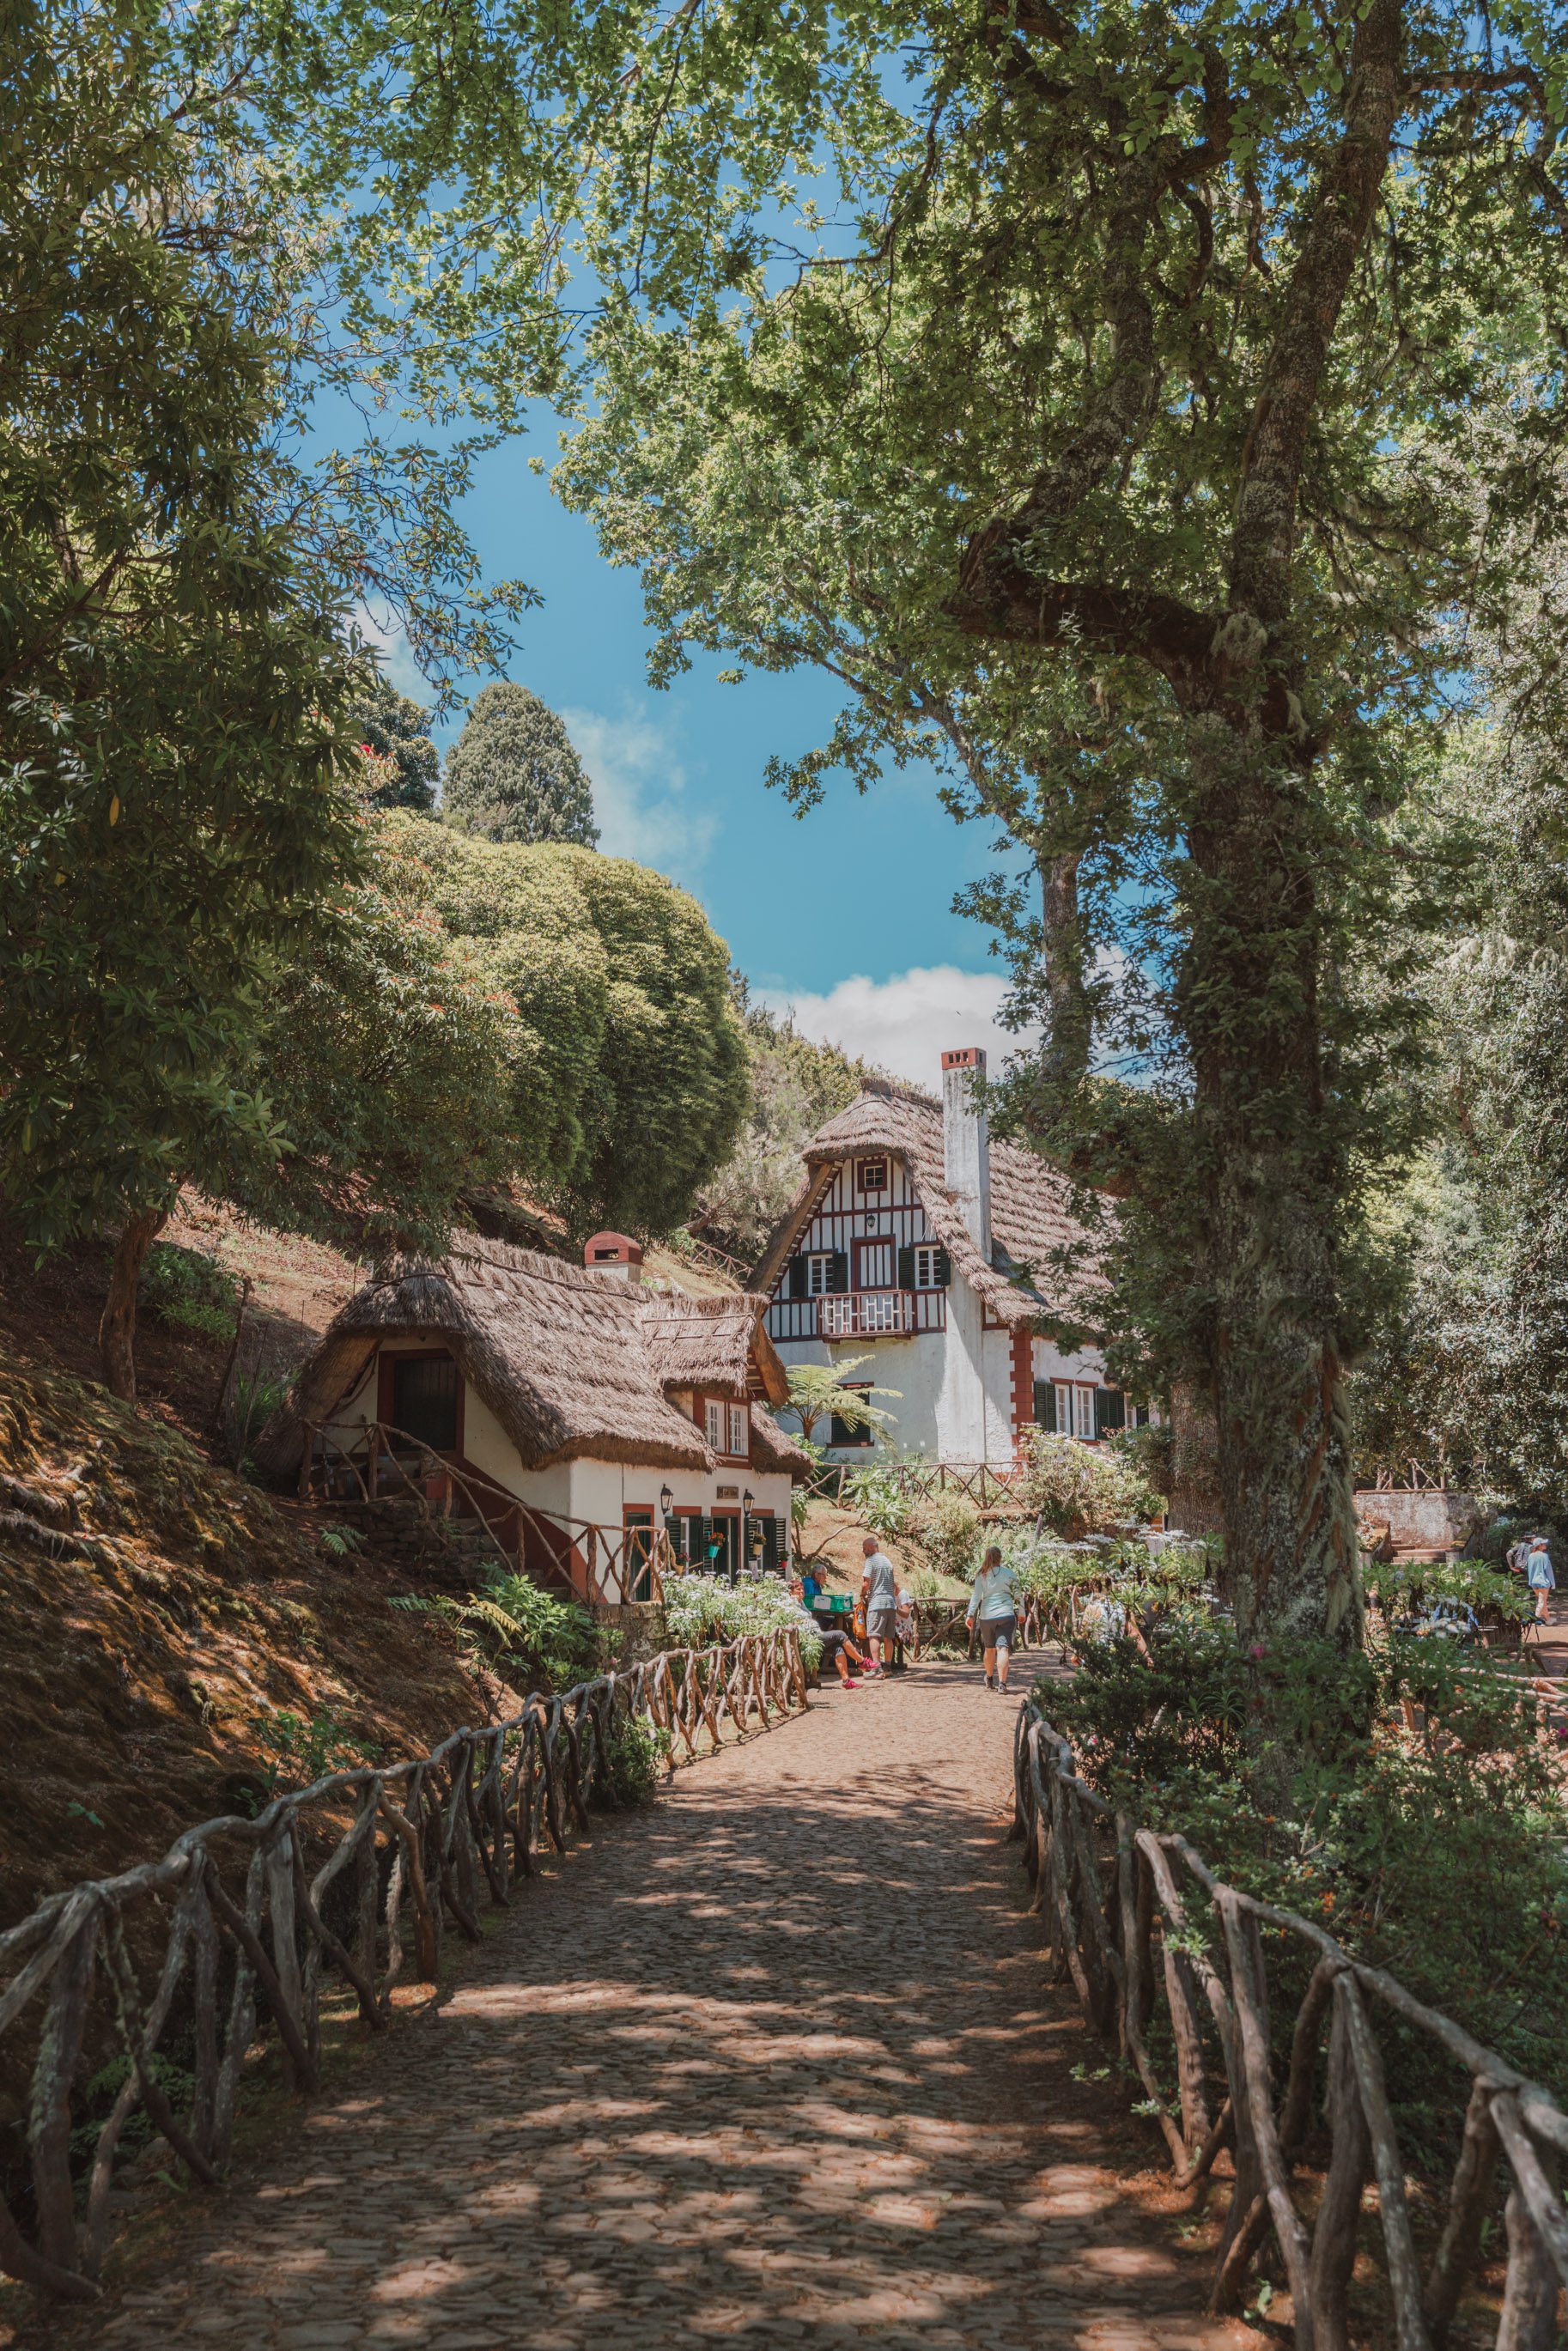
x=169, y=1636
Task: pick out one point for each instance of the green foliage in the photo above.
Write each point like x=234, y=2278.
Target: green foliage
x=949, y=1532
x=1437, y=1855
x=189, y=1290
x=1402, y=1589
x=701, y=1612
x=1074, y=1490
x=97, y=2102
x=305, y=1749
x=881, y=1497
x=625, y=1036
x=396, y=729
x=532, y=1636
x=513, y=775
x=637, y=1754
x=253, y=1398
x=178, y=770
x=796, y=1086
x=822, y=1392
x=391, y=1054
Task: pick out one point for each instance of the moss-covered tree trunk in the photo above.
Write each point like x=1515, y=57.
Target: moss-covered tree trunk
x=1270, y=1180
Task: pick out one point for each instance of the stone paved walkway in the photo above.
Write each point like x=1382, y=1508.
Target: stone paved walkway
x=774, y=2061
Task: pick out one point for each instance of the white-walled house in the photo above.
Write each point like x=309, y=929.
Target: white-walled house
x=918, y=1242
x=591, y=1399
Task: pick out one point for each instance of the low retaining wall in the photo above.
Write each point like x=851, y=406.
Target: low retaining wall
x=1437, y=1518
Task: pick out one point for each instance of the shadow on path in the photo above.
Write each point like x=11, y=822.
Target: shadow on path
x=776, y=2060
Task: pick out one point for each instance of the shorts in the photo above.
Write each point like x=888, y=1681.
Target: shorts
x=881, y=1623
x=998, y=1632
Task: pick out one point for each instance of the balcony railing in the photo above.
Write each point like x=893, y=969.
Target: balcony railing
x=866, y=1314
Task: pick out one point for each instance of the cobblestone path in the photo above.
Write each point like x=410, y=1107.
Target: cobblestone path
x=774, y=2061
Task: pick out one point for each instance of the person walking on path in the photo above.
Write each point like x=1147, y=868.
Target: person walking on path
x=993, y=1606
x=879, y=1595
x=1542, y=1578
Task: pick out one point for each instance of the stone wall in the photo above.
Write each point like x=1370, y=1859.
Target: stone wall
x=1434, y=1521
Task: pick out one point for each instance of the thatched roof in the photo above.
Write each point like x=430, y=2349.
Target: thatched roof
x=570, y=1363
x=772, y=1449
x=716, y=1343
x=1032, y=1221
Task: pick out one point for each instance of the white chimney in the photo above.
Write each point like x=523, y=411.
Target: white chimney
x=965, y=1144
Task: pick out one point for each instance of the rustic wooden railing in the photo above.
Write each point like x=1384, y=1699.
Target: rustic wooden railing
x=355, y=1877
x=601, y=1564
x=1109, y=1893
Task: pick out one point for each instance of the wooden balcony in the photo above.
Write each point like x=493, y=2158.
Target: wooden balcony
x=866, y=1314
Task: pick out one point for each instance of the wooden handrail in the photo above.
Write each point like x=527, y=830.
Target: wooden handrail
x=1108, y=1891
x=422, y=1846
x=580, y=1535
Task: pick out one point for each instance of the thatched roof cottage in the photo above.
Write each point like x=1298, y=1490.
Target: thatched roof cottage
x=580, y=1392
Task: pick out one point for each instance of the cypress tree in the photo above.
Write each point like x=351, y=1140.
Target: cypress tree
x=513, y=774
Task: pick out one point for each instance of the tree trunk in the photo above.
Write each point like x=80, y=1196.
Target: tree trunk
x=1066, y=1050
x=117, y=1330
x=1272, y=1171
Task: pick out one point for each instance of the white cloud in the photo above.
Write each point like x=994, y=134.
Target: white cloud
x=906, y=1024
x=398, y=663
x=639, y=793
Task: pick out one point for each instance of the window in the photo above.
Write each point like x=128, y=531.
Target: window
x=1083, y=1418
x=739, y=1429
x=930, y=1267
x=424, y=1400
x=1061, y=1420
x=713, y=1426
x=819, y=1274
x=871, y=1176
x=1110, y=1410
x=843, y=1434
x=874, y=1262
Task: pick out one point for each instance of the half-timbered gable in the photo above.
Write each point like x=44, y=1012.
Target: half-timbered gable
x=952, y=1260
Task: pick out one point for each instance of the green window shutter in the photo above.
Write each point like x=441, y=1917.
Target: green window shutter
x=906, y=1267
x=1045, y=1405
x=796, y=1278
x=703, y=1538
x=944, y=1269
x=838, y=1271
x=1110, y=1410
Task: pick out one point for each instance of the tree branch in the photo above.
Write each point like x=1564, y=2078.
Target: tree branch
x=1338, y=220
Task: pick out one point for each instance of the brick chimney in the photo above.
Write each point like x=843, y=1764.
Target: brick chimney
x=615, y=1255
x=965, y=1144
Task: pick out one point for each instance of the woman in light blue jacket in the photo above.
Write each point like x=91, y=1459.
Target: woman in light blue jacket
x=993, y=1606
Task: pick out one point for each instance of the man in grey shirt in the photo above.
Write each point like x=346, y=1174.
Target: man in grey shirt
x=879, y=1594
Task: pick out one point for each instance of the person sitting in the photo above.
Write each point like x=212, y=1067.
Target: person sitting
x=841, y=1650
x=810, y=1584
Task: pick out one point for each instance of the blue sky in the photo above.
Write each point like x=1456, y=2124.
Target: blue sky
x=844, y=914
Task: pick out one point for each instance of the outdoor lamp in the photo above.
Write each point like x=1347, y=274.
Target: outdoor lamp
x=748, y=1498
x=666, y=1501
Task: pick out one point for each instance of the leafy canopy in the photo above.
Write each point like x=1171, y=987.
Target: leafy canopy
x=629, y=1076
x=396, y=729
